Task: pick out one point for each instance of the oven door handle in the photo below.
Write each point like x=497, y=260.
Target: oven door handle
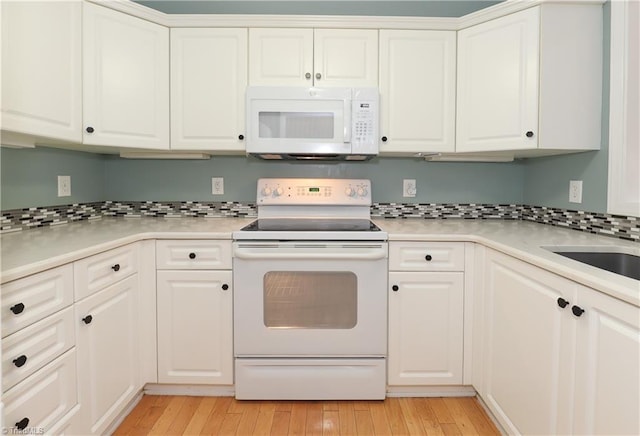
x=241, y=253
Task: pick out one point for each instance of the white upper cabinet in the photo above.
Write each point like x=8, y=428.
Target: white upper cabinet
x=308, y=57
x=417, y=91
x=126, y=80
x=208, y=81
x=41, y=69
x=531, y=80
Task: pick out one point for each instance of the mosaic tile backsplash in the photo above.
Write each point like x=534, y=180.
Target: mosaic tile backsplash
x=622, y=227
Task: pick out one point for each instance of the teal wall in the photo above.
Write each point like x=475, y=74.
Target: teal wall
x=29, y=177
x=138, y=180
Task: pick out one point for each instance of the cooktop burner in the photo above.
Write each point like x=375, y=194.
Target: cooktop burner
x=311, y=225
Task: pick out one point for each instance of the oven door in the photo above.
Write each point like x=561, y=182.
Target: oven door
x=310, y=299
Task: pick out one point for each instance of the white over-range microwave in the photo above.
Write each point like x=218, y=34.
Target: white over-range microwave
x=312, y=123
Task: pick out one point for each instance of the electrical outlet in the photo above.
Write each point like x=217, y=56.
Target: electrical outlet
x=575, y=191
x=217, y=185
x=409, y=188
x=64, y=186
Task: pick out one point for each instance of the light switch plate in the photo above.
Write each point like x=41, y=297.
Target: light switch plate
x=217, y=185
x=64, y=186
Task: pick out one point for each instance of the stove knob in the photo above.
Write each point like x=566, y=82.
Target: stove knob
x=266, y=191
x=362, y=192
x=279, y=191
x=349, y=192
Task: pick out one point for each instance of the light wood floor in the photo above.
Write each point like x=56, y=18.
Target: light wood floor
x=182, y=415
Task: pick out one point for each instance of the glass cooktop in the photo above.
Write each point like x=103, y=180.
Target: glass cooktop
x=311, y=225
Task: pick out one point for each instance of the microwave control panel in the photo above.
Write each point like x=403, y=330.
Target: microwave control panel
x=364, y=121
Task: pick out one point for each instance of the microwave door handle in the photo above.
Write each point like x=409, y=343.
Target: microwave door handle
x=347, y=120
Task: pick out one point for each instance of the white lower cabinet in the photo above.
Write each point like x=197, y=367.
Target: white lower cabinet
x=425, y=328
x=195, y=339
x=559, y=358
x=426, y=310
x=107, y=344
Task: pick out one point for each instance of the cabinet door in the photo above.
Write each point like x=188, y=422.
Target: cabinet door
x=425, y=328
x=498, y=84
x=281, y=57
x=107, y=354
x=126, y=80
x=417, y=91
x=208, y=81
x=607, y=366
x=345, y=57
x=41, y=69
x=528, y=347
x=195, y=306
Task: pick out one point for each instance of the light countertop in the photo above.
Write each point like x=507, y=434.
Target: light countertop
x=31, y=251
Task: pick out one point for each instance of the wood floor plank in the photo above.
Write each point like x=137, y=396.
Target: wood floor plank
x=450, y=429
x=330, y=422
x=330, y=405
x=161, y=427
x=298, y=419
x=441, y=411
x=184, y=415
x=364, y=424
x=284, y=406
x=361, y=405
x=214, y=421
x=230, y=424
x=280, y=425
x=265, y=418
x=347, y=418
x=379, y=418
x=199, y=418
x=395, y=417
x=476, y=413
x=460, y=417
x=249, y=419
x=142, y=408
x=313, y=426
x=411, y=416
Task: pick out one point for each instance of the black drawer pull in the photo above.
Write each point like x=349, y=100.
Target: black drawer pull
x=428, y=258
x=192, y=255
x=87, y=319
x=116, y=267
x=19, y=361
x=18, y=308
x=225, y=287
x=22, y=424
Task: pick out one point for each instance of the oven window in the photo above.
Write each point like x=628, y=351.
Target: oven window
x=310, y=299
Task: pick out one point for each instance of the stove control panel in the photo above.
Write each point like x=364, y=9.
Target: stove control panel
x=274, y=191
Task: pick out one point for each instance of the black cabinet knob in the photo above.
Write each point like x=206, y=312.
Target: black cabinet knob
x=90, y=129
x=87, y=319
x=577, y=310
x=116, y=267
x=384, y=139
x=395, y=288
x=529, y=134
x=562, y=302
x=240, y=137
x=22, y=424
x=428, y=258
x=225, y=287
x=192, y=255
x=16, y=309
x=19, y=361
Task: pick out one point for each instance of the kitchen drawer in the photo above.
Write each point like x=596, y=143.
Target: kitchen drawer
x=426, y=256
x=28, y=350
x=193, y=254
x=42, y=399
x=97, y=272
x=35, y=297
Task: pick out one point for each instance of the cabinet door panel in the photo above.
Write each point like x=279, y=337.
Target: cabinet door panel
x=281, y=57
x=345, y=57
x=608, y=361
x=108, y=353
x=208, y=81
x=193, y=305
x=417, y=90
x=528, y=347
x=498, y=82
x=126, y=80
x=41, y=68
x=425, y=328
